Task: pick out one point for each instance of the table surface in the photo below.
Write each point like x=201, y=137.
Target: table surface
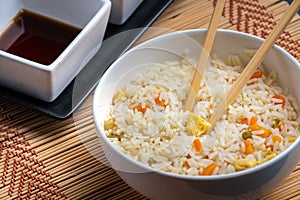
x=43, y=157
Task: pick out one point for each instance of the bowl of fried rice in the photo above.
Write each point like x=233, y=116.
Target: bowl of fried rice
x=161, y=150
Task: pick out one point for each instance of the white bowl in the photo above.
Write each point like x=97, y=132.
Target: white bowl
x=121, y=10
x=156, y=184
x=46, y=82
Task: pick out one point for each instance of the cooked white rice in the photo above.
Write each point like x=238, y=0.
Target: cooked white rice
x=156, y=134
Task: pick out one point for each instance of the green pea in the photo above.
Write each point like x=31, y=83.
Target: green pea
x=276, y=122
x=247, y=135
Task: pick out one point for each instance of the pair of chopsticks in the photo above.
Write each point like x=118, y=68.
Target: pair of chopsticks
x=249, y=69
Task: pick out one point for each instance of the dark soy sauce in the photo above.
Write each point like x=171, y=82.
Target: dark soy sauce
x=36, y=37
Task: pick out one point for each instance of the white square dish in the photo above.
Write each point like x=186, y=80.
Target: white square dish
x=122, y=9
x=46, y=82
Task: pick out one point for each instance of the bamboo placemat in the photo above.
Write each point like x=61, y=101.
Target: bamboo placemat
x=46, y=158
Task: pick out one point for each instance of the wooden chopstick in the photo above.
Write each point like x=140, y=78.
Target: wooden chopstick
x=254, y=63
x=203, y=59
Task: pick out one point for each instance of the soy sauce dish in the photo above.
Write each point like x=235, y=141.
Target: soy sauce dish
x=44, y=44
x=158, y=148
x=121, y=10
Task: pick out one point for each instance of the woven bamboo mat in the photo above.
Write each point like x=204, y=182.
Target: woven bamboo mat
x=46, y=158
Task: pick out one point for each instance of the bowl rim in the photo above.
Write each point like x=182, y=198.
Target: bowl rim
x=96, y=100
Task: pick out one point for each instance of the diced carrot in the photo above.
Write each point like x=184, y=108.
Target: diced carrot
x=160, y=102
x=244, y=121
x=257, y=74
x=186, y=164
x=209, y=169
x=278, y=96
x=266, y=133
x=197, y=145
x=253, y=120
x=211, y=106
x=257, y=127
x=141, y=109
x=248, y=147
x=270, y=146
x=276, y=138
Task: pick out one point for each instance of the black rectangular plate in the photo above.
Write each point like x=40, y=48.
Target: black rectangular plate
x=65, y=104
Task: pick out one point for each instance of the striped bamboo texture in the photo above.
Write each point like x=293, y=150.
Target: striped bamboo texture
x=46, y=158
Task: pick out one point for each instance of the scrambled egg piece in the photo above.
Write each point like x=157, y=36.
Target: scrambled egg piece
x=118, y=96
x=292, y=139
x=196, y=125
x=268, y=156
x=244, y=163
x=109, y=124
